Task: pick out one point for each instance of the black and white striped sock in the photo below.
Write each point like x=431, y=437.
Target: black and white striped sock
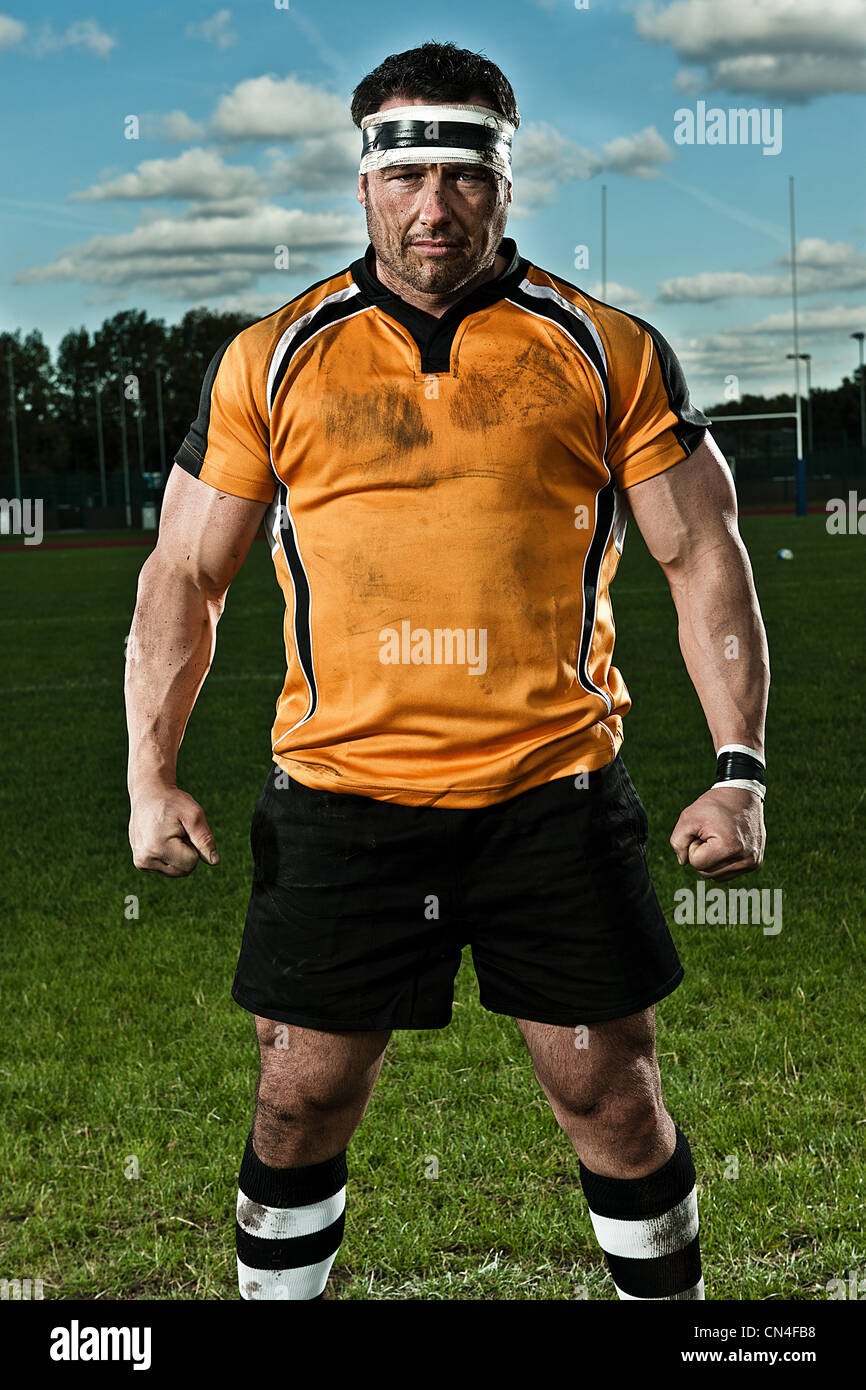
x=289, y=1226
x=648, y=1228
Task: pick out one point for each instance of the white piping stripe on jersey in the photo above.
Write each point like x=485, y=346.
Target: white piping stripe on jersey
x=620, y=521
x=553, y=322
x=696, y=1291
x=649, y=1237
x=308, y=1281
x=276, y=507
x=271, y=522
x=281, y=1223
x=542, y=291
x=607, y=542
x=548, y=292
x=283, y=346
x=584, y=676
x=295, y=328
x=610, y=736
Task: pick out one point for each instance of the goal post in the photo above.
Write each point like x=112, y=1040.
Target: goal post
x=799, y=473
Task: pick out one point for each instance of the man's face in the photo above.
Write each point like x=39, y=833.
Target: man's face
x=434, y=226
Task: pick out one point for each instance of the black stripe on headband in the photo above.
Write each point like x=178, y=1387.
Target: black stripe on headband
x=736, y=766
x=463, y=135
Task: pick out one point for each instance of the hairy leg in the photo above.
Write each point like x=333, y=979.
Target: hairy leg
x=604, y=1089
x=312, y=1091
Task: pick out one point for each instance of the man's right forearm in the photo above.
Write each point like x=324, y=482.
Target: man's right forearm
x=169, y=653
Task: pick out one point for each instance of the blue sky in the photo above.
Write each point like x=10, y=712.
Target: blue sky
x=245, y=142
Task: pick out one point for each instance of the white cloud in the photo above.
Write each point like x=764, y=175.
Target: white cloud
x=789, y=76
x=793, y=49
x=272, y=108
x=545, y=160
x=620, y=296
x=822, y=267
x=12, y=31
x=212, y=255
x=689, y=80
x=828, y=321
x=83, y=33
x=759, y=349
x=178, y=126
x=814, y=251
x=318, y=166
x=637, y=154
x=711, y=285
x=698, y=31
x=223, y=207
x=197, y=173
x=214, y=30
x=541, y=146
x=720, y=353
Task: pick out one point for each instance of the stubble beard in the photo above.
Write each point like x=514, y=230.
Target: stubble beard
x=427, y=275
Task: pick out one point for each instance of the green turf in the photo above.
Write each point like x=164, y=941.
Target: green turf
x=120, y=1040
x=81, y=536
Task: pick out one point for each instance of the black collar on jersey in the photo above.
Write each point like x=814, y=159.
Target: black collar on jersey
x=435, y=336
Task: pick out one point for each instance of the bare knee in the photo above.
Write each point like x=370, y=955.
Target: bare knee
x=294, y=1126
x=312, y=1092
x=623, y=1111
x=627, y=1098
x=291, y=1099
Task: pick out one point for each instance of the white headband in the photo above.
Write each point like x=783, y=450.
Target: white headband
x=437, y=135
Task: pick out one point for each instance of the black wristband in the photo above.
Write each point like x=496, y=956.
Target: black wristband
x=740, y=767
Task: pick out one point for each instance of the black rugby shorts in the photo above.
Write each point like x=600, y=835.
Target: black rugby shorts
x=360, y=909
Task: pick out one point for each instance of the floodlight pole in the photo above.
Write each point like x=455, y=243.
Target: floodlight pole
x=604, y=241
x=139, y=425
x=860, y=337
x=127, y=498
x=158, y=365
x=13, y=420
x=800, y=475
x=100, y=442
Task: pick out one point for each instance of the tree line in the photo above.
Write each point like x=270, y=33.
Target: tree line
x=128, y=364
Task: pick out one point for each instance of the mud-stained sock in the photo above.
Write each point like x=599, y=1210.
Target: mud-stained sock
x=289, y=1226
x=648, y=1228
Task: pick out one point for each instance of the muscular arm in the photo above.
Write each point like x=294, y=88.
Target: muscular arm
x=688, y=518
x=204, y=537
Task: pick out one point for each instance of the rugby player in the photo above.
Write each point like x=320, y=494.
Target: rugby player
x=445, y=442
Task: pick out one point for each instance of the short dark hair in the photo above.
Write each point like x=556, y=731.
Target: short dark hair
x=438, y=72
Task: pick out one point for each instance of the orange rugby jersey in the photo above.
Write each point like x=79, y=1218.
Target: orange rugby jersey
x=445, y=522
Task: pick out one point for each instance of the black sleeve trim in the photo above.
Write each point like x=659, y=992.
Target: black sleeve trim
x=191, y=454
x=693, y=423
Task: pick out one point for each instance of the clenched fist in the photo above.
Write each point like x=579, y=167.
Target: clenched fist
x=168, y=831
x=721, y=834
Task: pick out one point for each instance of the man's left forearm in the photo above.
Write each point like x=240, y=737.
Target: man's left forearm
x=723, y=641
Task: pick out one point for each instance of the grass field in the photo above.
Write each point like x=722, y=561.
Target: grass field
x=121, y=1046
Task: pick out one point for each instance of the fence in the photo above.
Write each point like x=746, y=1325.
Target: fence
x=764, y=472
x=74, y=500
